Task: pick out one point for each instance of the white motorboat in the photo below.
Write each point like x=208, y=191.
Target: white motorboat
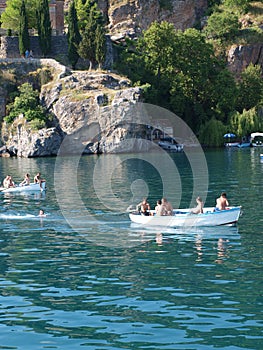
x=169, y=144
x=27, y=188
x=257, y=139
x=184, y=218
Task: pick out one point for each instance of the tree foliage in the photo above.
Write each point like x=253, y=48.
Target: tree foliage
x=24, y=40
x=222, y=25
x=241, y=5
x=44, y=26
x=10, y=17
x=92, y=45
x=246, y=122
x=250, y=88
x=27, y=104
x=212, y=132
x=74, y=37
x=184, y=74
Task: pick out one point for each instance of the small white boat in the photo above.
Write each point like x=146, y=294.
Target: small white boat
x=257, y=139
x=27, y=188
x=184, y=218
x=169, y=144
x=232, y=144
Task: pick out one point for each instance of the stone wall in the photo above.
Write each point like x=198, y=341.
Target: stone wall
x=9, y=46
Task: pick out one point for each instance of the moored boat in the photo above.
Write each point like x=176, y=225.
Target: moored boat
x=27, y=188
x=169, y=144
x=184, y=218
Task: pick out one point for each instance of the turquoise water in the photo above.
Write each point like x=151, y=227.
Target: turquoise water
x=84, y=277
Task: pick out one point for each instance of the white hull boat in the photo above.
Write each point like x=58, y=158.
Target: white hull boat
x=27, y=188
x=169, y=146
x=184, y=218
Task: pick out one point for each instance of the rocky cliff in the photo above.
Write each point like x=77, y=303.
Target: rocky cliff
x=92, y=112
x=133, y=16
x=130, y=17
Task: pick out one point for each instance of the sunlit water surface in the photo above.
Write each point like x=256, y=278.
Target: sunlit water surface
x=84, y=277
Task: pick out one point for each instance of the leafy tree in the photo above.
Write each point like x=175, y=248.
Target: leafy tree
x=93, y=40
x=183, y=72
x=26, y=103
x=84, y=8
x=74, y=37
x=241, y=5
x=250, y=88
x=100, y=44
x=222, y=25
x=212, y=132
x=24, y=40
x=44, y=26
x=246, y=122
x=10, y=17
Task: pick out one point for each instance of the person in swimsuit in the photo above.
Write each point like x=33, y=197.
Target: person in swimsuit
x=222, y=202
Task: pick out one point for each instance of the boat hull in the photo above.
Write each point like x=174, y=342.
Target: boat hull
x=184, y=218
x=168, y=146
x=28, y=188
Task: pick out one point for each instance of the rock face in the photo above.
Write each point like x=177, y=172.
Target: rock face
x=239, y=57
x=92, y=113
x=24, y=142
x=131, y=17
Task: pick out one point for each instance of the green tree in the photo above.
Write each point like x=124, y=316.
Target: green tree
x=84, y=8
x=100, y=44
x=10, y=17
x=26, y=103
x=212, y=132
x=91, y=45
x=74, y=37
x=183, y=72
x=24, y=40
x=44, y=26
x=222, y=25
x=241, y=5
x=250, y=88
x=246, y=122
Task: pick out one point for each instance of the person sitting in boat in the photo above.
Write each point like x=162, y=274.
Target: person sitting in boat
x=38, y=180
x=222, y=202
x=158, y=208
x=26, y=180
x=167, y=209
x=8, y=182
x=144, y=207
x=199, y=208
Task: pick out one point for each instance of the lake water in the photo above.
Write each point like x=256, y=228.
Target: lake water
x=84, y=277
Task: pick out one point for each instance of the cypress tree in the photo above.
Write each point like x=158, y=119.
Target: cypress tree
x=100, y=44
x=44, y=26
x=74, y=37
x=24, y=40
x=92, y=45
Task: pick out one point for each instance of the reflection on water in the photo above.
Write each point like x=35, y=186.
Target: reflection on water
x=195, y=288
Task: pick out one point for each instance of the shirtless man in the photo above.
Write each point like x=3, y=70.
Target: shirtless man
x=38, y=180
x=143, y=207
x=222, y=202
x=26, y=180
x=199, y=208
x=158, y=208
x=167, y=208
x=8, y=182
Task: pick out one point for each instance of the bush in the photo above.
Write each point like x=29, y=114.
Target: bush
x=27, y=104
